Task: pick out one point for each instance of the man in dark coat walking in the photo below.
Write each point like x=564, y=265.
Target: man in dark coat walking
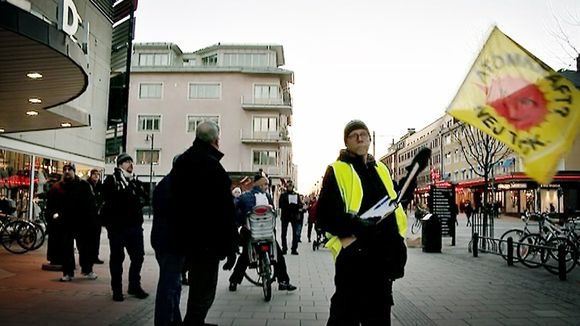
x=201, y=188
x=72, y=203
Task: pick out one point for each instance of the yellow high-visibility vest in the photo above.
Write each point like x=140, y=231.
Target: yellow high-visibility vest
x=351, y=191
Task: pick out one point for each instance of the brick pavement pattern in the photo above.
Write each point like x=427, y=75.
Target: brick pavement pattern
x=450, y=288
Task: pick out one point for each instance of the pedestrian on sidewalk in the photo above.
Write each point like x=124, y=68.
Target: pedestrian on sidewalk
x=202, y=189
x=468, y=211
x=72, y=202
x=245, y=203
x=124, y=197
x=96, y=186
x=170, y=248
x=290, y=205
x=371, y=254
x=311, y=215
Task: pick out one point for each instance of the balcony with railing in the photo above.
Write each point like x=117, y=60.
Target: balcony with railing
x=271, y=170
x=265, y=137
x=281, y=105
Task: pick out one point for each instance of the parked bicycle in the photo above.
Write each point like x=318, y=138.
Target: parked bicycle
x=541, y=249
x=518, y=234
x=17, y=236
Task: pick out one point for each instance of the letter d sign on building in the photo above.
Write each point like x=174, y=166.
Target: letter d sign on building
x=68, y=17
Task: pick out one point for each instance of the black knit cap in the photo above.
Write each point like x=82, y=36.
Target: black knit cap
x=258, y=176
x=71, y=166
x=123, y=157
x=354, y=125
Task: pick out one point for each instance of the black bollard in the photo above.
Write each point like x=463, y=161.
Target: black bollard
x=474, y=243
x=562, y=262
x=510, y=251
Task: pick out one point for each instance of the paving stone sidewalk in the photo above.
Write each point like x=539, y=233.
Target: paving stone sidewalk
x=450, y=288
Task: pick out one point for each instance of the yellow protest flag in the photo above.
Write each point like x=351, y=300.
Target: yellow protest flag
x=514, y=97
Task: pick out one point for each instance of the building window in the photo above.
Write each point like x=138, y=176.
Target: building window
x=245, y=59
x=267, y=94
x=265, y=158
x=150, y=90
x=210, y=60
x=153, y=59
x=146, y=156
x=194, y=120
x=189, y=62
x=265, y=124
x=205, y=91
x=149, y=122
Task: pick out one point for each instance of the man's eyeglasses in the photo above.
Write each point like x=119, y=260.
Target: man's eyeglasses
x=361, y=135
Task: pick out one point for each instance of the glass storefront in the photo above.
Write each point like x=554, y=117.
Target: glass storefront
x=15, y=180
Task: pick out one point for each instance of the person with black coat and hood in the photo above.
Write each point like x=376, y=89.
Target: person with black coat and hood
x=124, y=197
x=72, y=203
x=202, y=190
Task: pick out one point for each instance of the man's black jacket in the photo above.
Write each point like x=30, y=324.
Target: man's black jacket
x=74, y=202
x=290, y=211
x=123, y=202
x=201, y=188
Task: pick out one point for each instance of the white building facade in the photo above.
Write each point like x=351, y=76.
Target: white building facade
x=241, y=87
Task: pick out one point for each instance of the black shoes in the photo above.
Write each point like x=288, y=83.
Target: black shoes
x=284, y=251
x=286, y=286
x=118, y=297
x=294, y=252
x=99, y=262
x=233, y=287
x=138, y=293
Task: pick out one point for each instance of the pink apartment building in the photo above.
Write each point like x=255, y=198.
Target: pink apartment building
x=241, y=87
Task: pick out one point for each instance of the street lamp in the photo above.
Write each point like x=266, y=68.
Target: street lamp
x=374, y=137
x=150, y=137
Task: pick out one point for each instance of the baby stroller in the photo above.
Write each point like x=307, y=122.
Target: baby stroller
x=320, y=240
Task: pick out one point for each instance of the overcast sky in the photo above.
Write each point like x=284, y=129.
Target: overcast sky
x=393, y=64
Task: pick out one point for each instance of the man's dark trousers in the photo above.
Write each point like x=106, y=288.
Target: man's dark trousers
x=203, y=277
x=130, y=238
x=168, y=288
x=296, y=229
x=363, y=294
x=85, y=259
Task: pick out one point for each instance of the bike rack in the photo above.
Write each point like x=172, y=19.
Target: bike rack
x=510, y=252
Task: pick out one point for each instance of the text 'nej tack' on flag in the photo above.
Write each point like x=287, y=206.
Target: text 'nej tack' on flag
x=514, y=97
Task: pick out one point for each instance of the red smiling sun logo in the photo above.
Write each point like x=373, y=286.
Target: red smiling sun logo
x=520, y=102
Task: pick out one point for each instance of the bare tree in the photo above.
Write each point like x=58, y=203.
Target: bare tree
x=482, y=152
x=565, y=26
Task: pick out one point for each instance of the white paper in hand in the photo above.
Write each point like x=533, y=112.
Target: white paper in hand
x=382, y=208
x=292, y=199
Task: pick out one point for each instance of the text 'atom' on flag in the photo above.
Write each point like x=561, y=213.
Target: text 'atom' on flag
x=514, y=97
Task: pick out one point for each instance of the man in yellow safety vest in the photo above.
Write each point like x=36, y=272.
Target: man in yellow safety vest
x=371, y=253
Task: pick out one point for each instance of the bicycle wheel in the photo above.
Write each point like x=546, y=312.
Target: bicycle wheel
x=528, y=251
x=40, y=235
x=416, y=227
x=18, y=237
x=550, y=258
x=265, y=269
x=253, y=277
x=516, y=235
